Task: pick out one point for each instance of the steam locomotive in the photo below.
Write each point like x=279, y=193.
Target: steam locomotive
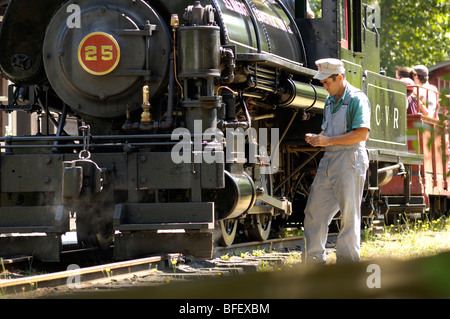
x=177, y=124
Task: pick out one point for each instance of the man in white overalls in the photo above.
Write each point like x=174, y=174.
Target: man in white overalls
x=339, y=181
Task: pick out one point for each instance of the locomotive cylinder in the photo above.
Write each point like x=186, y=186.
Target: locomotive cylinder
x=301, y=95
x=238, y=196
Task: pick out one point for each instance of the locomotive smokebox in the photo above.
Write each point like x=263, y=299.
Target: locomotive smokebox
x=100, y=68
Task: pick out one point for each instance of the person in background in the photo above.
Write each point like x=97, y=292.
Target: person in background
x=309, y=13
x=402, y=72
x=407, y=75
x=428, y=93
x=413, y=105
x=339, y=181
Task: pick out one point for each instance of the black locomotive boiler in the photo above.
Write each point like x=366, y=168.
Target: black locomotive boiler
x=171, y=125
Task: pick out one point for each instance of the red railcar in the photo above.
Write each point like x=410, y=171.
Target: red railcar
x=429, y=180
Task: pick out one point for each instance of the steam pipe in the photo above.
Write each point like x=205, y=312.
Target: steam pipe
x=303, y=95
x=230, y=65
x=62, y=122
x=399, y=166
x=168, y=121
x=244, y=106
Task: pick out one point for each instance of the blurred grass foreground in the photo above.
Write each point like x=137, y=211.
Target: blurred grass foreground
x=412, y=262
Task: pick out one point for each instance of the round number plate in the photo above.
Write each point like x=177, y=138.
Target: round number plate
x=99, y=53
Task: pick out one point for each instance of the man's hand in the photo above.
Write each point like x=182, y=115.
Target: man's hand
x=355, y=136
x=316, y=139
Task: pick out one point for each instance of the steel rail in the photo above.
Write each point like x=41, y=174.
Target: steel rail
x=69, y=278
x=288, y=243
x=294, y=242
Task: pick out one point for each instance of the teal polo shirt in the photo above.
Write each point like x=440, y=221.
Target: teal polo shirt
x=358, y=109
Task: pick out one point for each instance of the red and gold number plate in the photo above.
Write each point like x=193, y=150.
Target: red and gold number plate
x=99, y=53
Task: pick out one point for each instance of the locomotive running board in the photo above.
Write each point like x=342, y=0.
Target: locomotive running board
x=40, y=237
x=45, y=248
x=134, y=245
x=156, y=216
x=148, y=228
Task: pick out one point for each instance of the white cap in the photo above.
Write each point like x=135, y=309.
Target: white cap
x=421, y=70
x=328, y=67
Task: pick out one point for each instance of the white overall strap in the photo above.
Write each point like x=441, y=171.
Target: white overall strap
x=336, y=124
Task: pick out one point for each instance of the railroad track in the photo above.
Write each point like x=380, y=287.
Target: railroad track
x=77, y=277
x=153, y=270
x=157, y=269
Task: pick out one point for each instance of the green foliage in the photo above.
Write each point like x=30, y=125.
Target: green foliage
x=414, y=32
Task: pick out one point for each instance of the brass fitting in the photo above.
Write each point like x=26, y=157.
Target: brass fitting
x=146, y=116
x=174, y=21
